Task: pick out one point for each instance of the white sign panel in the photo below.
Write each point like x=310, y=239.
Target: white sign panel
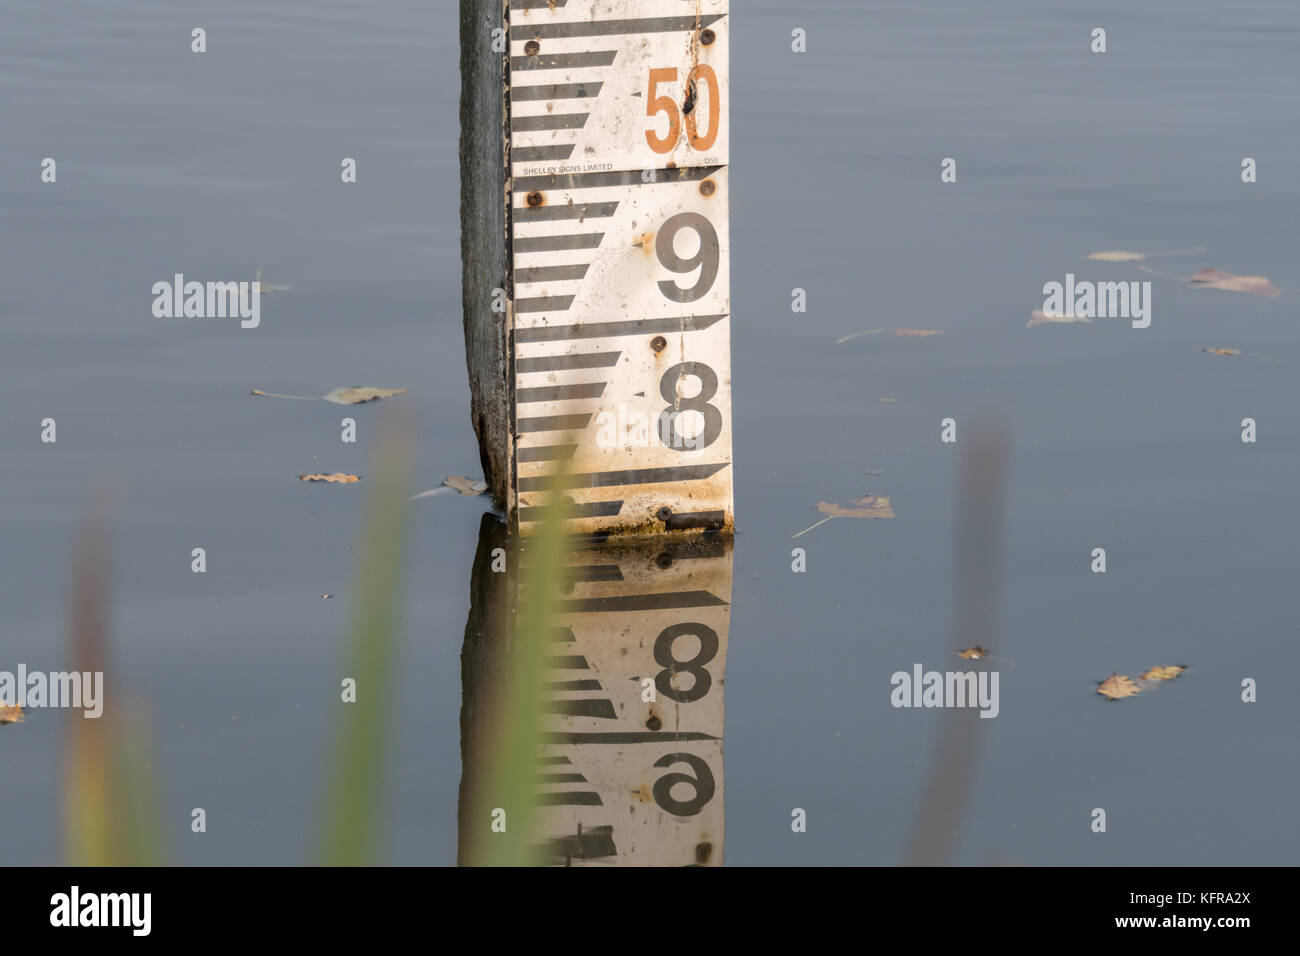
x=620, y=249
x=632, y=759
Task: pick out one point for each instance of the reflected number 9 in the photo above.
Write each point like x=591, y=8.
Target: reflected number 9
x=701, y=783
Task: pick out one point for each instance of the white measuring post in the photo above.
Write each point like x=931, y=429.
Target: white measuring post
x=595, y=234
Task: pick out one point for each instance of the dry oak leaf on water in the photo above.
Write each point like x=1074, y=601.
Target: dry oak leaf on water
x=1163, y=673
x=870, y=506
x=338, y=478
x=11, y=715
x=1116, y=686
x=352, y=395
x=1216, y=279
x=1117, y=255
x=916, y=333
x=1222, y=351
x=973, y=653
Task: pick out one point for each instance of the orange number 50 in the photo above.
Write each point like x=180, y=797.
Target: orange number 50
x=657, y=104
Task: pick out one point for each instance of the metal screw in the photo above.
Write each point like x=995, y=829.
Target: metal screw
x=664, y=513
x=659, y=343
x=534, y=199
x=532, y=47
x=707, y=37
x=707, y=187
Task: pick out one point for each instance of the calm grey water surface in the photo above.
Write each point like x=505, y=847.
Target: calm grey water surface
x=220, y=164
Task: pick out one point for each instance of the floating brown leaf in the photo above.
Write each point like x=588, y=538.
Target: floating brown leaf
x=11, y=715
x=973, y=653
x=1117, y=686
x=354, y=395
x=1222, y=351
x=1163, y=673
x=361, y=393
x=916, y=333
x=869, y=506
x=465, y=486
x=1039, y=317
x=1117, y=255
x=337, y=477
x=1216, y=279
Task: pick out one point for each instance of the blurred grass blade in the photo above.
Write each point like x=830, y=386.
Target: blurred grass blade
x=110, y=814
x=353, y=798
x=509, y=779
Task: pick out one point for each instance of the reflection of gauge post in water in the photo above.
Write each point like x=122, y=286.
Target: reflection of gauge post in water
x=630, y=771
x=596, y=242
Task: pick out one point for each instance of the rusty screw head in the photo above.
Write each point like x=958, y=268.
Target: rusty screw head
x=665, y=560
x=707, y=37
x=532, y=48
x=707, y=187
x=664, y=513
x=534, y=200
x=703, y=851
x=654, y=723
x=659, y=343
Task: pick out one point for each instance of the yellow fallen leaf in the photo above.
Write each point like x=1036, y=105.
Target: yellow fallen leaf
x=870, y=506
x=1163, y=673
x=916, y=333
x=361, y=393
x=1117, y=686
x=337, y=477
x=466, y=486
x=1039, y=317
x=1216, y=279
x=973, y=653
x=11, y=715
x=1117, y=255
x=341, y=396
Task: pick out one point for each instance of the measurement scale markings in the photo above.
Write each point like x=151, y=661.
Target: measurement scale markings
x=592, y=509
x=604, y=28
x=601, y=330
x=630, y=476
x=572, y=360
x=566, y=662
x=590, y=210
x=563, y=61
x=554, y=91
x=667, y=600
x=537, y=154
x=577, y=240
x=548, y=121
x=552, y=423
x=559, y=685
x=626, y=737
x=559, y=393
x=597, y=707
x=561, y=778
x=537, y=453
x=552, y=273
x=622, y=177
x=544, y=303
x=585, y=798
